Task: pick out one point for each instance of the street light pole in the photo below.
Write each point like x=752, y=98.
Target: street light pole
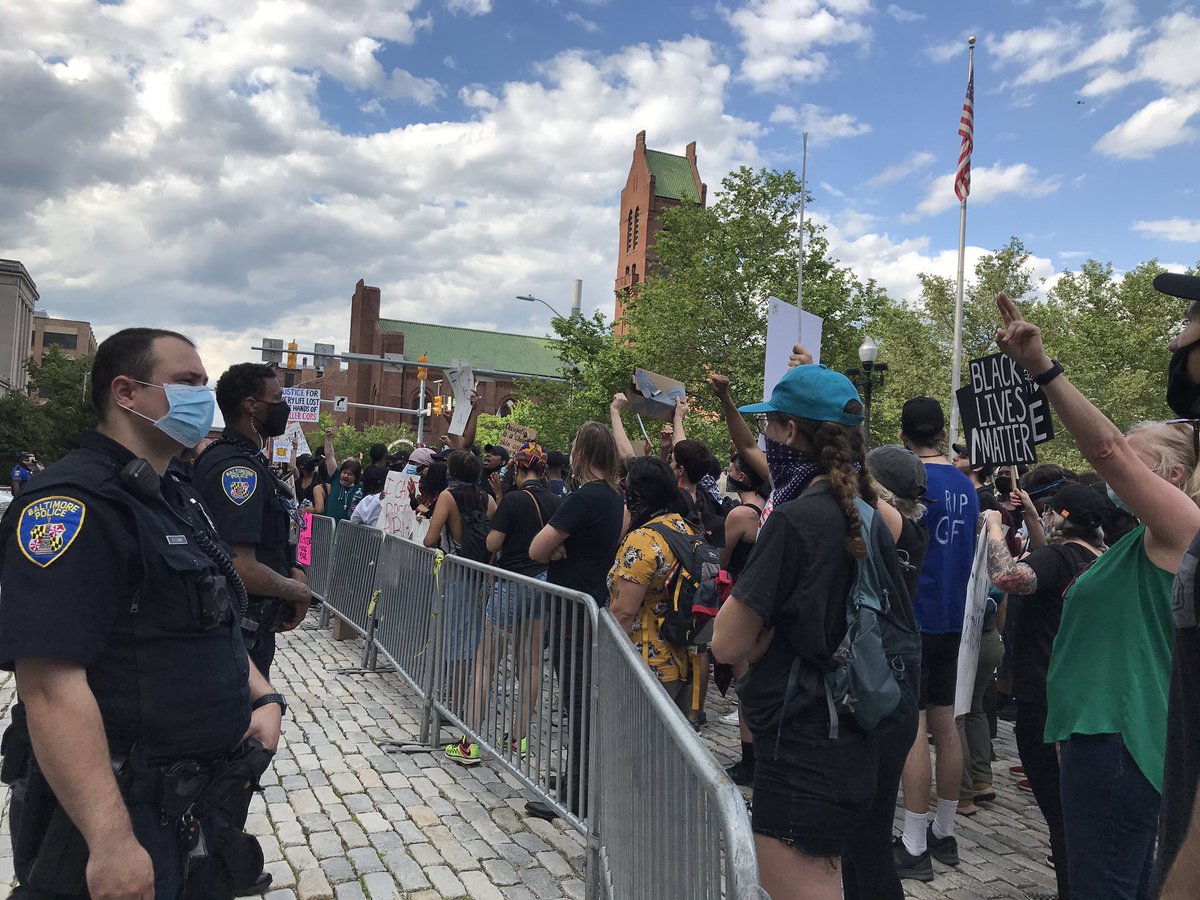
x=866, y=379
x=529, y=298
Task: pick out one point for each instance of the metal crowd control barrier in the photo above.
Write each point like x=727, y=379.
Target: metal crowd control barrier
x=666, y=821
x=321, y=567
x=352, y=593
x=503, y=641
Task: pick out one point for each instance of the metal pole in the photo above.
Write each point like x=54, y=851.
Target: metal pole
x=421, y=415
x=956, y=373
x=576, y=298
x=870, y=385
x=800, y=259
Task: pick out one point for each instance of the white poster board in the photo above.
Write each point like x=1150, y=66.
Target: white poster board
x=289, y=445
x=784, y=329
x=462, y=383
x=305, y=404
x=396, y=515
x=972, y=630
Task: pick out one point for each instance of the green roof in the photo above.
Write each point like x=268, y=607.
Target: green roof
x=496, y=350
x=672, y=176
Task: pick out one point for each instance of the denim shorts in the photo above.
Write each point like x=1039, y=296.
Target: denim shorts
x=464, y=620
x=512, y=603
x=811, y=792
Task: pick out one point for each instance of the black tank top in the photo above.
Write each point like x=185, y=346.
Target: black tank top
x=741, y=553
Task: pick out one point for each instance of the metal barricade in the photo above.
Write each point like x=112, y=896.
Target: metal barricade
x=666, y=821
x=408, y=604
x=513, y=668
x=321, y=567
x=352, y=591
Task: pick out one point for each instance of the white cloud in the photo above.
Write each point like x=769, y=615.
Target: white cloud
x=1182, y=230
x=586, y=24
x=779, y=38
x=987, y=183
x=470, y=7
x=821, y=125
x=900, y=14
x=948, y=50
x=1160, y=123
x=156, y=179
x=899, y=171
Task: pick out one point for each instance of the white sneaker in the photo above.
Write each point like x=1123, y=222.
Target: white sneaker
x=730, y=718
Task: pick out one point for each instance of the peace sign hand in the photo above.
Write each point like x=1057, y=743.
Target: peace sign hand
x=1019, y=340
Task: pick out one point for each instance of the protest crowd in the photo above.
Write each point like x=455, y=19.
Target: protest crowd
x=874, y=610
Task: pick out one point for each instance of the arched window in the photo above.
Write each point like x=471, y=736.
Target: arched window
x=506, y=407
x=637, y=225
x=629, y=233
x=634, y=280
x=627, y=271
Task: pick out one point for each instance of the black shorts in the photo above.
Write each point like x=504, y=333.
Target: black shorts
x=939, y=668
x=814, y=793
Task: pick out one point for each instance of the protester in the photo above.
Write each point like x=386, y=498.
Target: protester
x=310, y=489
x=940, y=601
x=1110, y=718
x=786, y=617
x=580, y=543
x=513, y=609
x=495, y=458
x=557, y=466
x=345, y=491
x=981, y=477
x=638, y=581
x=1035, y=586
x=25, y=468
x=434, y=479
x=868, y=862
x=366, y=511
x=378, y=455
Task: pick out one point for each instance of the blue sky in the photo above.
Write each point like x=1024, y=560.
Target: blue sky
x=232, y=167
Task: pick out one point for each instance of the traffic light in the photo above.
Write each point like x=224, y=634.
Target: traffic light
x=437, y=405
x=422, y=372
x=292, y=348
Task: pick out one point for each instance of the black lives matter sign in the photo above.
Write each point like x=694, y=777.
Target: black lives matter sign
x=1004, y=414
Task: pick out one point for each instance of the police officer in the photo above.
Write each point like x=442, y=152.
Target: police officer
x=119, y=617
x=254, y=511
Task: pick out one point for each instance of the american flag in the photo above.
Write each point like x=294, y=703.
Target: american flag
x=966, y=130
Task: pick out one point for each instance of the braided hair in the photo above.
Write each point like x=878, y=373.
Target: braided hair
x=840, y=450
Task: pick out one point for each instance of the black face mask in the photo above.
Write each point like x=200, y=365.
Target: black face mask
x=738, y=487
x=1183, y=396
x=276, y=421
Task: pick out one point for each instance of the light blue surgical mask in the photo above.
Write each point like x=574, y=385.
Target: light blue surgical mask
x=190, y=412
x=410, y=469
x=1112, y=495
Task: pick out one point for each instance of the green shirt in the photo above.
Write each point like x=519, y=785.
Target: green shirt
x=1112, y=658
x=341, y=501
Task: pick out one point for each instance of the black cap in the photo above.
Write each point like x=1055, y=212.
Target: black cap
x=959, y=449
x=899, y=470
x=922, y=417
x=1081, y=505
x=496, y=450
x=1174, y=284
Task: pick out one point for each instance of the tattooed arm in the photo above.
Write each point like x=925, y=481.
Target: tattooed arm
x=1006, y=573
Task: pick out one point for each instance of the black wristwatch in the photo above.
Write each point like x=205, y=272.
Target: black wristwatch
x=270, y=698
x=1050, y=374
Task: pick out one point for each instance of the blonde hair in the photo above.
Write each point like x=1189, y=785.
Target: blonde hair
x=910, y=509
x=1174, y=446
x=595, y=449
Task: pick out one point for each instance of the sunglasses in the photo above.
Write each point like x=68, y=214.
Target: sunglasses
x=1195, y=425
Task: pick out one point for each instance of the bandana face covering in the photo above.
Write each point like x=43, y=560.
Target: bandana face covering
x=791, y=470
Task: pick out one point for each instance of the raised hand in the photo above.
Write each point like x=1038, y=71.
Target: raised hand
x=1019, y=340
x=799, y=357
x=619, y=401
x=719, y=384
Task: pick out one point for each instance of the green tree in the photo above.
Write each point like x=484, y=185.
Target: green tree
x=353, y=443
x=22, y=429
x=65, y=385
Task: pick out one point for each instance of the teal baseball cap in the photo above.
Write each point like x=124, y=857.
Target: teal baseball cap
x=812, y=392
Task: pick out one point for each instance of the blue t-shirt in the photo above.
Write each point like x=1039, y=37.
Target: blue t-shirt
x=953, y=511
x=20, y=474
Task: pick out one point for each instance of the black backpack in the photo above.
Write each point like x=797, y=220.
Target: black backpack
x=474, y=530
x=691, y=587
x=708, y=515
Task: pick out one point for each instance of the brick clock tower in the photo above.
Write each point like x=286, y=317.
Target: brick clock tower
x=657, y=181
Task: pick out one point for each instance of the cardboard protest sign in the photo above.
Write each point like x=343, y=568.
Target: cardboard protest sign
x=787, y=326
x=304, y=546
x=654, y=395
x=514, y=436
x=462, y=381
x=1004, y=414
x=396, y=515
x=289, y=445
x=305, y=404
x=972, y=631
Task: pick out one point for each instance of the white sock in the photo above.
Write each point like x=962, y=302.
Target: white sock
x=915, y=839
x=943, y=820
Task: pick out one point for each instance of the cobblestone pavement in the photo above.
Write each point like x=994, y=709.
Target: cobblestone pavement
x=342, y=819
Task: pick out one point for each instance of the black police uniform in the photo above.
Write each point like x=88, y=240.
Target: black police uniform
x=250, y=506
x=130, y=585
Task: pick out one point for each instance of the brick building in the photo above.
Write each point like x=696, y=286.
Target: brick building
x=74, y=338
x=518, y=355
x=657, y=181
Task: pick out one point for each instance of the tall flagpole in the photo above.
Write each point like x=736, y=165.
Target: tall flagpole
x=962, y=187
x=800, y=259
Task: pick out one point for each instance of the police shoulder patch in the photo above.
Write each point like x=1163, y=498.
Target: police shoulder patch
x=48, y=527
x=239, y=483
